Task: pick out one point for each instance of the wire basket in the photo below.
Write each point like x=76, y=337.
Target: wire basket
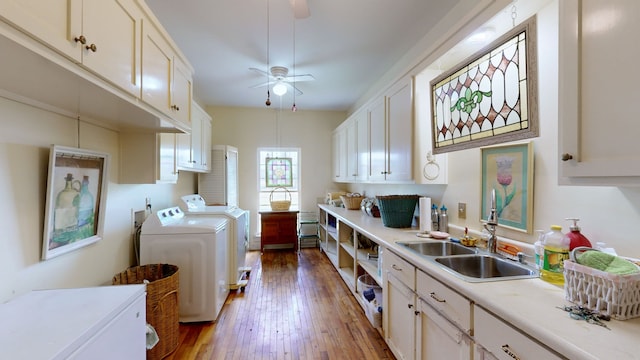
x=161, y=304
x=352, y=201
x=280, y=205
x=615, y=295
x=397, y=211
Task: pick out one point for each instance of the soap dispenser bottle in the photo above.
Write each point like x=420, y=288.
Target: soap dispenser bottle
x=575, y=236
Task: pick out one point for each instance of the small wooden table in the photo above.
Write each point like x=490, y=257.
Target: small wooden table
x=279, y=228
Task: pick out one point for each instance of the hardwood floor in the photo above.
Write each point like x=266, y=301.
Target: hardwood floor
x=295, y=307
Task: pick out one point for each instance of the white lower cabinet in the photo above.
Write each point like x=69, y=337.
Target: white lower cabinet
x=438, y=338
x=399, y=314
x=503, y=341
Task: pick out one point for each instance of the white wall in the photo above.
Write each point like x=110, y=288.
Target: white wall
x=26, y=134
x=251, y=128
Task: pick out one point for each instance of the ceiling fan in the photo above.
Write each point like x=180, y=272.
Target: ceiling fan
x=278, y=76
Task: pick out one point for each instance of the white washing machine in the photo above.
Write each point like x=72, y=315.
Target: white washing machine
x=195, y=205
x=198, y=246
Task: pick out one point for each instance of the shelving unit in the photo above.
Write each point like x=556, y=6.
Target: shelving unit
x=352, y=253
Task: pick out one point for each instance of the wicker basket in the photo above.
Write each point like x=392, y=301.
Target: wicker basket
x=162, y=303
x=397, y=211
x=352, y=201
x=609, y=294
x=280, y=205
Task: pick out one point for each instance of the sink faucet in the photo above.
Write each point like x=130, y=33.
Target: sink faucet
x=490, y=225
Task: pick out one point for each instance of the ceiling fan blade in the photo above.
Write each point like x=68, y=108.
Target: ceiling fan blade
x=292, y=88
x=261, y=85
x=261, y=72
x=302, y=77
x=300, y=9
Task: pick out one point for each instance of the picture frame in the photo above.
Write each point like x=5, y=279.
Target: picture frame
x=279, y=172
x=489, y=98
x=509, y=171
x=76, y=199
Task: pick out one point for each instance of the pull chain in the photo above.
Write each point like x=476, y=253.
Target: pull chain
x=514, y=13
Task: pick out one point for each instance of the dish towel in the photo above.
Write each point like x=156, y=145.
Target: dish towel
x=607, y=262
x=152, y=337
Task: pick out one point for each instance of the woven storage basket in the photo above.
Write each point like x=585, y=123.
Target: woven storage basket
x=352, y=201
x=162, y=303
x=609, y=294
x=280, y=205
x=397, y=211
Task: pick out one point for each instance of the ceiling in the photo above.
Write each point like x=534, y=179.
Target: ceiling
x=347, y=45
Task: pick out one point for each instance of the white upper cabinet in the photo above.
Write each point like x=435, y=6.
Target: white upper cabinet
x=103, y=36
x=339, y=153
x=166, y=80
x=597, y=68
x=391, y=134
x=194, y=150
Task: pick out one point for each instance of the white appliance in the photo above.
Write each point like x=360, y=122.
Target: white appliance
x=194, y=205
x=198, y=246
x=220, y=186
x=98, y=323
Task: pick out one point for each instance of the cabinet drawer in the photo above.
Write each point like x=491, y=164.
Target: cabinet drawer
x=452, y=305
x=401, y=269
x=505, y=342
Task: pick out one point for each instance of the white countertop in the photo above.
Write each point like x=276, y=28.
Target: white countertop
x=527, y=304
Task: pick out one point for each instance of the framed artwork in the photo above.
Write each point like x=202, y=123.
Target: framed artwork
x=509, y=171
x=76, y=200
x=279, y=172
x=491, y=97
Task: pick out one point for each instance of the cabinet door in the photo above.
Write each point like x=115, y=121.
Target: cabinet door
x=399, y=129
x=339, y=155
x=157, y=65
x=351, y=145
x=54, y=22
x=114, y=27
x=362, y=129
x=181, y=89
x=400, y=318
x=439, y=338
x=167, y=167
x=505, y=342
x=184, y=154
x=377, y=140
x=597, y=132
x=205, y=155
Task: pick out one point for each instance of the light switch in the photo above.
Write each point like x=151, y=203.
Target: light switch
x=462, y=210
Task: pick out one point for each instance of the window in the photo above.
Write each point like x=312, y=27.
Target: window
x=278, y=170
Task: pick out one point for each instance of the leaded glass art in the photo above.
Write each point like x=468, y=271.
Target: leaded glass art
x=490, y=99
x=279, y=172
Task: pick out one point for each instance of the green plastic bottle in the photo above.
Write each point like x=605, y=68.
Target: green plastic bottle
x=556, y=251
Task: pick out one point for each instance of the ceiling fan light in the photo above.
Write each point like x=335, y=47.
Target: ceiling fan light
x=279, y=89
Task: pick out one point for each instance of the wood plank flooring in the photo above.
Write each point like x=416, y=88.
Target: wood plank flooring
x=295, y=307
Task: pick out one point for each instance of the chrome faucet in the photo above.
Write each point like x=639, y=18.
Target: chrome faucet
x=490, y=225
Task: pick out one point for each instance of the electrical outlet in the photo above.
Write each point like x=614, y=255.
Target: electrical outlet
x=462, y=210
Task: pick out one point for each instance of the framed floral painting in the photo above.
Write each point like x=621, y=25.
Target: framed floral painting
x=509, y=171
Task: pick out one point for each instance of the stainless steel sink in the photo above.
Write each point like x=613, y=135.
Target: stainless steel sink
x=482, y=267
x=439, y=248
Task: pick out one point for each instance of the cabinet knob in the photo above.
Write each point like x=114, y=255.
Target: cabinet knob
x=92, y=47
x=81, y=39
x=410, y=306
x=175, y=107
x=566, y=157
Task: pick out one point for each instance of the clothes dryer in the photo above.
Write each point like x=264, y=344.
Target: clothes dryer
x=194, y=205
